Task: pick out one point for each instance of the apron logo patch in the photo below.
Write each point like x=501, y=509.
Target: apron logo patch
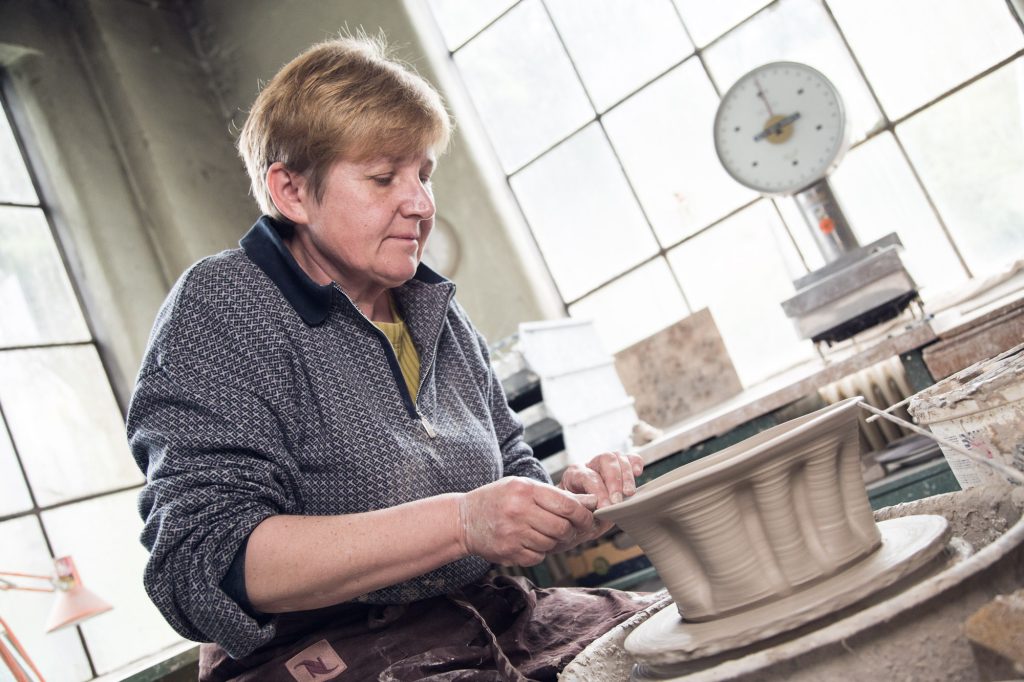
x=315, y=663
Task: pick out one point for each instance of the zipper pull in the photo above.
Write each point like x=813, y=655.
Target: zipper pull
x=426, y=426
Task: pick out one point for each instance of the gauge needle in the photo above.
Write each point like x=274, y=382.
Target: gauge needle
x=760, y=93
x=777, y=127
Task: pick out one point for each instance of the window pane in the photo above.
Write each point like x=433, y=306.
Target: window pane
x=914, y=50
x=37, y=304
x=879, y=195
x=799, y=31
x=707, y=20
x=65, y=423
x=102, y=535
x=618, y=45
x=58, y=655
x=973, y=168
x=586, y=221
x=663, y=136
x=15, y=184
x=14, y=495
x=523, y=85
x=633, y=307
x=738, y=270
x=460, y=20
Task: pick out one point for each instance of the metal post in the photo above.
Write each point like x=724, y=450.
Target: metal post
x=825, y=219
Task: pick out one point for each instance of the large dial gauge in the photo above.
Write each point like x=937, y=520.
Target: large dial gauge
x=442, y=252
x=780, y=128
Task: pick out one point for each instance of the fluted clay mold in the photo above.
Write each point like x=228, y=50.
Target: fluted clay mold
x=759, y=520
x=774, y=530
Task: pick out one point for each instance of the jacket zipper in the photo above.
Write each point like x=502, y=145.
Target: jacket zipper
x=426, y=372
x=403, y=388
x=426, y=425
x=396, y=371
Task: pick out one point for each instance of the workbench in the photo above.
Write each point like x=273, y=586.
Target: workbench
x=929, y=348
x=979, y=326
x=780, y=399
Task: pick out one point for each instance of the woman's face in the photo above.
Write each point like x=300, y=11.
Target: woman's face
x=369, y=229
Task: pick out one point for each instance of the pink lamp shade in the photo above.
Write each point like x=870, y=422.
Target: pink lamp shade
x=73, y=603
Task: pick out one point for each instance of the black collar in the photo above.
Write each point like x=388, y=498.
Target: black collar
x=264, y=245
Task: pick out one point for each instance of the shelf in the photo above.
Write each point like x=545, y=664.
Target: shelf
x=633, y=579
x=539, y=425
x=924, y=480
x=179, y=662
x=519, y=385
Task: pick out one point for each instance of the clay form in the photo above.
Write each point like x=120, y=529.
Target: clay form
x=758, y=521
x=765, y=536
x=907, y=544
x=912, y=630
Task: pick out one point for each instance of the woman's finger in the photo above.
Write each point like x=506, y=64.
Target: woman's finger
x=562, y=505
x=609, y=467
x=535, y=540
x=580, y=479
x=628, y=477
x=636, y=463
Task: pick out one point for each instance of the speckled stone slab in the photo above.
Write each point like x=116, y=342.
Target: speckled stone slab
x=679, y=371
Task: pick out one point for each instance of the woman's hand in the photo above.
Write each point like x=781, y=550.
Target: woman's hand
x=516, y=521
x=610, y=477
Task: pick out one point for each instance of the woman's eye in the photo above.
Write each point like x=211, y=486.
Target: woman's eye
x=382, y=180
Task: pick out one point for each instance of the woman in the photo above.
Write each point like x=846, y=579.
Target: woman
x=332, y=467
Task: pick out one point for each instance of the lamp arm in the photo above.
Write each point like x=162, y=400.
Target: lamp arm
x=74, y=603
x=9, y=585
x=7, y=657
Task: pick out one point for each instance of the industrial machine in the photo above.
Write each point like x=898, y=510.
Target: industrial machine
x=780, y=130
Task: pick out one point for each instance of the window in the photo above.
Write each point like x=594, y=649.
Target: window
x=600, y=113
x=67, y=480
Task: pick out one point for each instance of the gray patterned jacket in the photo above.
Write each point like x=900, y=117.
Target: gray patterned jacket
x=264, y=393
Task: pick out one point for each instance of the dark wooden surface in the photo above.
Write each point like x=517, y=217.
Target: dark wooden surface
x=986, y=338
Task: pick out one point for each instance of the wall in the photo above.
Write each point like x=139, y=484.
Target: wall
x=179, y=155
x=135, y=161
x=131, y=108
x=97, y=214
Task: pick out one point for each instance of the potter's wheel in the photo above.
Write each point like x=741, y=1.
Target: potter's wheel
x=908, y=543
x=914, y=629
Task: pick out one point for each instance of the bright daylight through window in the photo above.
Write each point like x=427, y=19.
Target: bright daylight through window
x=600, y=112
x=68, y=484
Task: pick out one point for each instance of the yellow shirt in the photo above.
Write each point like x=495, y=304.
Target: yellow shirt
x=405, y=351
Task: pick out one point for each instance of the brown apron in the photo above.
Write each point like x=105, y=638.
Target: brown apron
x=497, y=629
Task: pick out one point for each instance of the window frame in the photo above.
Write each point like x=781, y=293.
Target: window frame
x=8, y=104
x=800, y=244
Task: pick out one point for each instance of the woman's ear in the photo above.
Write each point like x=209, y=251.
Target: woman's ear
x=288, y=192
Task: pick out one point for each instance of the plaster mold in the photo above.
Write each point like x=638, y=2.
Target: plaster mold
x=912, y=630
x=766, y=536
x=758, y=521
x=909, y=543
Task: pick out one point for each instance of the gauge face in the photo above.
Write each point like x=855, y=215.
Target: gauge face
x=780, y=128
x=442, y=250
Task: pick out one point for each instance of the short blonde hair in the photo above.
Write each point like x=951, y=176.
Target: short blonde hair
x=344, y=97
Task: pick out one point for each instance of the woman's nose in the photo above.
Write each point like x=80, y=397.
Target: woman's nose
x=418, y=201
